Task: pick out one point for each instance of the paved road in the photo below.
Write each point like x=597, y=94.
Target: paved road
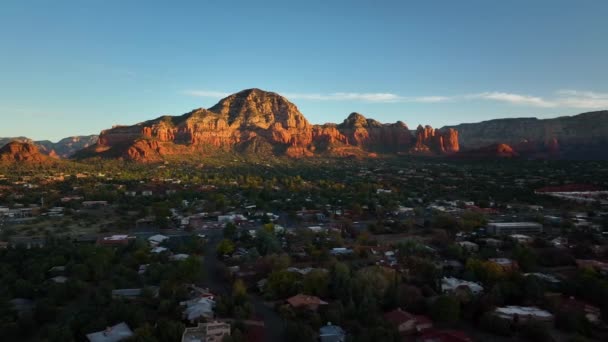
x=215, y=281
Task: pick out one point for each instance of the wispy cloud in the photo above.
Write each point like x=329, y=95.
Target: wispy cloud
x=516, y=99
x=562, y=98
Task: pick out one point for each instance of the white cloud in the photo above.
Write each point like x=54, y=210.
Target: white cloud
x=367, y=97
x=583, y=99
x=428, y=99
x=517, y=99
x=562, y=98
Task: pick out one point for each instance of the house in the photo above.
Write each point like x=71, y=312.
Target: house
x=115, y=240
x=522, y=239
x=408, y=323
x=306, y=302
x=198, y=308
x=57, y=269
x=450, y=284
x=158, y=250
x=544, y=277
x=133, y=293
x=341, y=251
x=468, y=246
x=451, y=266
x=157, y=239
x=517, y=314
x=179, y=257
x=332, y=333
x=505, y=263
x=59, y=279
x=209, y=332
x=304, y=271
x=118, y=332
x=94, y=204
x=316, y=229
x=445, y=336
x=492, y=242
x=559, y=242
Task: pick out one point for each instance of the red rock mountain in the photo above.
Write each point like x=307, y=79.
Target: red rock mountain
x=260, y=122
x=22, y=152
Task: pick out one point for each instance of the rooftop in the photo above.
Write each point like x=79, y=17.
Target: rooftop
x=119, y=332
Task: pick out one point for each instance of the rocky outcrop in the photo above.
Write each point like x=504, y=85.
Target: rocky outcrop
x=22, y=152
x=572, y=137
x=429, y=139
x=262, y=123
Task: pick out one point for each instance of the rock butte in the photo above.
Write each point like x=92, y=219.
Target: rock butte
x=261, y=122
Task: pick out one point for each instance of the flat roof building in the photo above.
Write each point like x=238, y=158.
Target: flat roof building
x=509, y=228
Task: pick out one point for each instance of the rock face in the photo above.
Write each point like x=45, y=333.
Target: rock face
x=262, y=123
x=22, y=152
x=583, y=136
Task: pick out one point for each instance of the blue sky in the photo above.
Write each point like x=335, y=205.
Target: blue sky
x=77, y=67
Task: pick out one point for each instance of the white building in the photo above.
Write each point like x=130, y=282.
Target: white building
x=523, y=314
x=450, y=284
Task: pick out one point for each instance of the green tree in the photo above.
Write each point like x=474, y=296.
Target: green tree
x=316, y=283
x=230, y=231
x=225, y=247
x=445, y=309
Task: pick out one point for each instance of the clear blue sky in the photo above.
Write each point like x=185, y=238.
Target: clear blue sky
x=77, y=67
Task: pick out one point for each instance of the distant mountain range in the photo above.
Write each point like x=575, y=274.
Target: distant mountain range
x=64, y=148
x=583, y=136
x=258, y=122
